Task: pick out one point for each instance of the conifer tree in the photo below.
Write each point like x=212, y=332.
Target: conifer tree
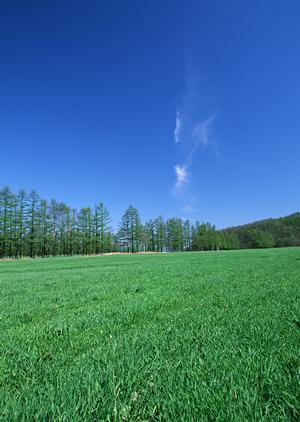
x=102, y=223
x=20, y=224
x=160, y=229
x=33, y=222
x=131, y=230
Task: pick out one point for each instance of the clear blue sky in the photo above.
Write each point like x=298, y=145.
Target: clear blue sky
x=181, y=108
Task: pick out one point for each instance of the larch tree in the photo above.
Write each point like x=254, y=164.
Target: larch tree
x=160, y=229
x=131, y=230
x=33, y=222
x=102, y=223
x=21, y=228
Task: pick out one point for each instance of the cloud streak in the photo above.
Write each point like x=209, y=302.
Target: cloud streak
x=193, y=128
x=177, y=129
x=198, y=136
x=193, y=133
x=182, y=176
x=201, y=132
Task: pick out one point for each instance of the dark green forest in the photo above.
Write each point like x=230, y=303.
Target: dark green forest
x=31, y=227
x=272, y=232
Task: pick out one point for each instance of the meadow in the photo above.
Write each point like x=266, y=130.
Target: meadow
x=210, y=336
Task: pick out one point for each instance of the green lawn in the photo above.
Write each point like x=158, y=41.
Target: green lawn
x=207, y=336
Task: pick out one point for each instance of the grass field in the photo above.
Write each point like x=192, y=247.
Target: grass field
x=181, y=337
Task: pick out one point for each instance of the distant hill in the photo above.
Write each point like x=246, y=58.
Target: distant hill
x=283, y=231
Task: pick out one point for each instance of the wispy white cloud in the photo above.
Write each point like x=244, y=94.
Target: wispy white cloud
x=177, y=129
x=193, y=133
x=182, y=176
x=200, y=137
x=202, y=130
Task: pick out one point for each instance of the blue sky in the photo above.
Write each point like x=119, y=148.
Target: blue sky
x=181, y=108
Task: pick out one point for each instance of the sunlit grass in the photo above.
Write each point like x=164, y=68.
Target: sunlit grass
x=181, y=337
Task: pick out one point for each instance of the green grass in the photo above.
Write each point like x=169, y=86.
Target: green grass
x=181, y=337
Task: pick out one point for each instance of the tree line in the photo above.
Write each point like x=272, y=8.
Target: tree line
x=31, y=226
x=269, y=233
